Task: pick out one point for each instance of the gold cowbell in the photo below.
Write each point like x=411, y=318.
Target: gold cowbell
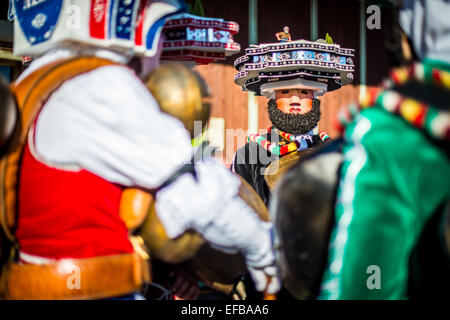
x=180, y=92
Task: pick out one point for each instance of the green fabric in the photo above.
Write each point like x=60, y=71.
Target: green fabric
x=392, y=180
x=431, y=63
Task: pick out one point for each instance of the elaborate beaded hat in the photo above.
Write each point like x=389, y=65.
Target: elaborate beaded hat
x=203, y=40
x=320, y=66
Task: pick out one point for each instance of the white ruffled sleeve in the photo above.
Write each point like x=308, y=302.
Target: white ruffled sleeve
x=211, y=206
x=107, y=122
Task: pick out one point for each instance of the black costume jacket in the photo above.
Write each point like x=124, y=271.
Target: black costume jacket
x=251, y=160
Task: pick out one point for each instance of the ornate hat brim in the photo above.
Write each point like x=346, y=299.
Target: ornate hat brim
x=322, y=63
x=199, y=39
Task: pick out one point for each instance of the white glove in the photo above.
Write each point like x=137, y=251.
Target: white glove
x=190, y=204
x=266, y=279
x=211, y=206
x=238, y=227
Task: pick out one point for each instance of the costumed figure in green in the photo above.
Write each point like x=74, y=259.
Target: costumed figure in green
x=379, y=225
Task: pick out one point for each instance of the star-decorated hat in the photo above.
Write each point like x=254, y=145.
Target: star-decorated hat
x=320, y=66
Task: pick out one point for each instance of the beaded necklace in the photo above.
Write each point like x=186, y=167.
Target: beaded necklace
x=296, y=144
x=421, y=115
x=275, y=149
x=419, y=72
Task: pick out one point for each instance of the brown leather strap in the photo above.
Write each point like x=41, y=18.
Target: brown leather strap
x=31, y=94
x=279, y=167
x=134, y=207
x=90, y=278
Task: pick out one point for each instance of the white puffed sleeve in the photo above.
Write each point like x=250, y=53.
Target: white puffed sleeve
x=211, y=206
x=107, y=122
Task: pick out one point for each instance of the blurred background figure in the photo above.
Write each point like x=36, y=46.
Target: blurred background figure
x=284, y=36
x=8, y=117
x=292, y=81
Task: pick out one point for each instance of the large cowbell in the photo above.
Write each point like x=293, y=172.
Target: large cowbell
x=302, y=209
x=128, y=26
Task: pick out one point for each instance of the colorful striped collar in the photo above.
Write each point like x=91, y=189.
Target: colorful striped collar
x=297, y=143
x=428, y=118
x=420, y=72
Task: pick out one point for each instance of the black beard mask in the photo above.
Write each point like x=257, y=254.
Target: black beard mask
x=295, y=124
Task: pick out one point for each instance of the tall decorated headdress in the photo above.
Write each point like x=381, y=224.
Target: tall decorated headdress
x=203, y=40
x=320, y=66
x=129, y=26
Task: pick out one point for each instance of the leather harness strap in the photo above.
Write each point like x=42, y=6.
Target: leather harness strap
x=31, y=94
x=89, y=278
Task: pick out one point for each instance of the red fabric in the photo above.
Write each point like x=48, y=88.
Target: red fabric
x=97, y=21
x=139, y=39
x=436, y=76
x=419, y=121
x=64, y=214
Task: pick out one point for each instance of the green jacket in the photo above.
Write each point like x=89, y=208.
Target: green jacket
x=393, y=179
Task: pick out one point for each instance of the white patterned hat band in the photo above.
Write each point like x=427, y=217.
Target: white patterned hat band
x=127, y=26
x=321, y=63
x=199, y=39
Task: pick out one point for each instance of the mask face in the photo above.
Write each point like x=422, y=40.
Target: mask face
x=294, y=123
x=294, y=101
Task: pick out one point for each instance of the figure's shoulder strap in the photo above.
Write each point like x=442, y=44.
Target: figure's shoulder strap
x=31, y=94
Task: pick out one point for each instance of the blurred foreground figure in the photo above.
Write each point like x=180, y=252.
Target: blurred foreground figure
x=8, y=117
x=91, y=135
x=379, y=225
x=182, y=93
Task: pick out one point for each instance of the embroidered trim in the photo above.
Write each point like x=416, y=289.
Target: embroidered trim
x=225, y=25
x=424, y=116
x=298, y=143
x=200, y=44
x=285, y=135
x=419, y=72
x=301, y=139
x=32, y=259
x=273, y=147
x=324, y=136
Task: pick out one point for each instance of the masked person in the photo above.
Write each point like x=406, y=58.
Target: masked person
x=90, y=130
x=292, y=76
